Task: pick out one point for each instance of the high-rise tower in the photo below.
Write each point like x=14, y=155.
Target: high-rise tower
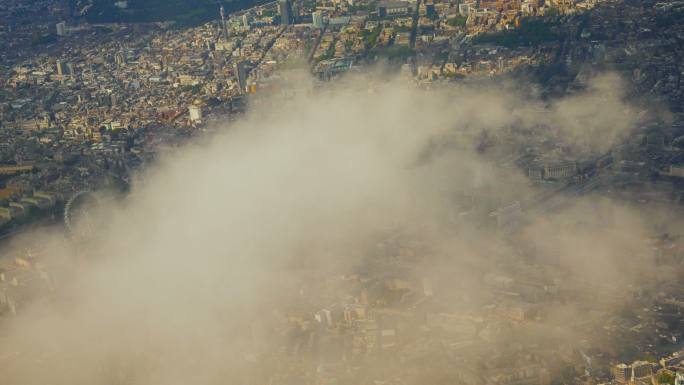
x=317, y=18
x=285, y=12
x=224, y=24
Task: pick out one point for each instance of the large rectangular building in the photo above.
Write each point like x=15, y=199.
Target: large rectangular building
x=394, y=8
x=560, y=170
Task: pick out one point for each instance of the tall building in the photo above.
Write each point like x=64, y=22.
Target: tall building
x=296, y=12
x=679, y=378
x=195, y=113
x=622, y=373
x=61, y=29
x=224, y=23
x=285, y=12
x=317, y=17
x=63, y=69
x=241, y=74
x=641, y=369
x=120, y=58
x=245, y=20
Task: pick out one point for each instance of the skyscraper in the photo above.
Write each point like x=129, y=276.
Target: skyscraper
x=61, y=29
x=295, y=12
x=285, y=12
x=195, y=113
x=622, y=373
x=224, y=24
x=120, y=58
x=317, y=17
x=641, y=369
x=62, y=68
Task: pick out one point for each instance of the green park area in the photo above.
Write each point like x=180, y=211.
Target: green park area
x=182, y=12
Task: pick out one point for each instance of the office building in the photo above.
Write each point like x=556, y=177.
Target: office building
x=61, y=29
x=641, y=369
x=679, y=378
x=296, y=12
x=317, y=17
x=552, y=170
x=63, y=69
x=195, y=113
x=285, y=12
x=622, y=373
x=120, y=58
x=224, y=23
x=393, y=8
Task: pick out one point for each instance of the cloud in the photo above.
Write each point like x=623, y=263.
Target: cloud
x=216, y=263
x=597, y=118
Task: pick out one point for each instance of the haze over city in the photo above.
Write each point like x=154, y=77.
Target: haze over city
x=347, y=192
